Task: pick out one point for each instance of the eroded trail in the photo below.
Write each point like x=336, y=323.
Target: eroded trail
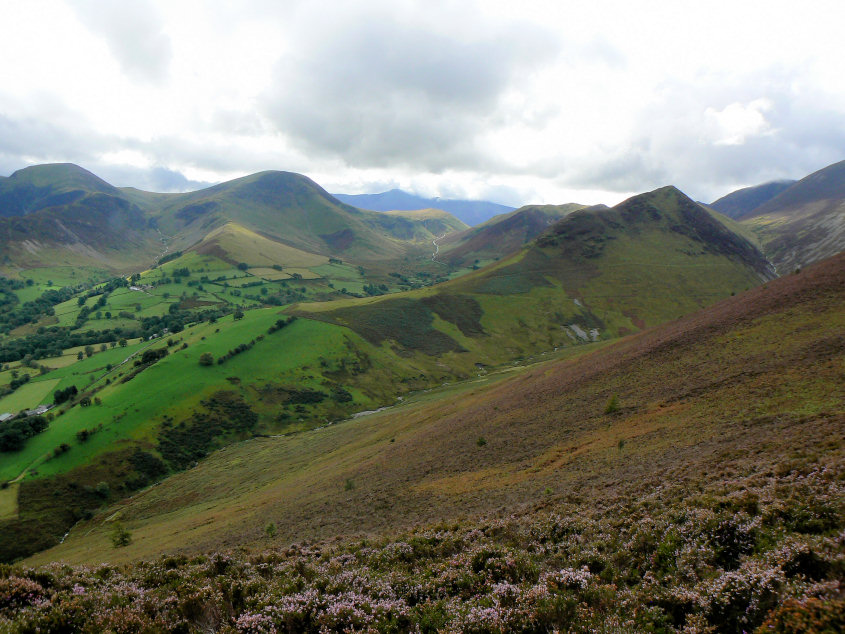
x=436, y=249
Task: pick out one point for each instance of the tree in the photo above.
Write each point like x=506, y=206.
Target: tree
x=89, y=351
x=243, y=266
x=206, y=358
x=122, y=343
x=238, y=314
x=120, y=536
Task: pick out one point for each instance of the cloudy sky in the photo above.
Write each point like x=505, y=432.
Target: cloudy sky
x=515, y=102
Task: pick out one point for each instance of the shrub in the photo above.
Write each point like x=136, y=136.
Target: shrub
x=612, y=405
x=120, y=536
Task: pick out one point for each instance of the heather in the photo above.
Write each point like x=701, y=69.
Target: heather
x=759, y=550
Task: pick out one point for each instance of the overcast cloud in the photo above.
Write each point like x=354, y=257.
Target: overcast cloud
x=516, y=102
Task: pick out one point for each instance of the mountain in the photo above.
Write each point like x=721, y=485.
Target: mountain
x=61, y=215
x=42, y=186
x=649, y=259
x=804, y=223
x=64, y=216
x=745, y=200
x=283, y=206
x=472, y=212
x=502, y=235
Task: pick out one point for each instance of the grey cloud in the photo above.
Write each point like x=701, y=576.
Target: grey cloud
x=156, y=179
x=32, y=140
x=134, y=34
x=806, y=132
x=386, y=91
x=28, y=139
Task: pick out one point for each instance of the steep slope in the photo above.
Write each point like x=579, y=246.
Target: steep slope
x=806, y=222
x=746, y=200
x=62, y=215
x=471, y=212
x=596, y=274
x=99, y=230
x=41, y=186
x=502, y=235
x=234, y=244
x=651, y=258
x=693, y=403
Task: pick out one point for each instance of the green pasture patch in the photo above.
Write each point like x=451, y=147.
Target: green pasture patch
x=97, y=362
x=28, y=396
x=130, y=411
x=63, y=275
x=344, y=272
x=67, y=358
x=101, y=324
x=157, y=308
x=271, y=275
x=66, y=312
x=307, y=274
x=29, y=293
x=126, y=299
x=196, y=263
x=9, y=502
x=243, y=279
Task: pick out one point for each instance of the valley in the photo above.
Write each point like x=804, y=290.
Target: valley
x=201, y=362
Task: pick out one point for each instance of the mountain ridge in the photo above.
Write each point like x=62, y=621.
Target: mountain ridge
x=804, y=223
x=471, y=212
x=745, y=200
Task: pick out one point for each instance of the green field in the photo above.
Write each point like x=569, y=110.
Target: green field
x=29, y=395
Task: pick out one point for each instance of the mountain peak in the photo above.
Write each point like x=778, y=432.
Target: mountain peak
x=825, y=184
x=60, y=175
x=41, y=186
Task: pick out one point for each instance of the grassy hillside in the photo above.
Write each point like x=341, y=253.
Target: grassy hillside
x=746, y=200
x=598, y=273
x=235, y=244
x=423, y=224
x=686, y=477
x=502, y=235
x=98, y=230
x=52, y=185
x=806, y=222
